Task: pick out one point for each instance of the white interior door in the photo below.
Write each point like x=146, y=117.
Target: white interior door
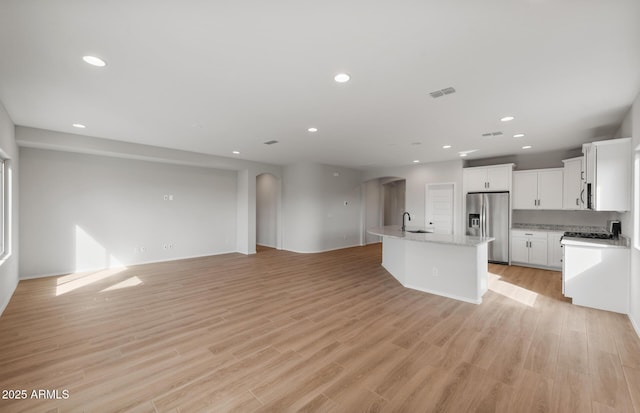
x=439, y=207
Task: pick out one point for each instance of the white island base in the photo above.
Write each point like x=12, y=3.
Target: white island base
x=456, y=267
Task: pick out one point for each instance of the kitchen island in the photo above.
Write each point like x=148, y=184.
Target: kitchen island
x=453, y=266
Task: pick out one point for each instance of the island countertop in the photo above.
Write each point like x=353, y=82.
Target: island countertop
x=394, y=231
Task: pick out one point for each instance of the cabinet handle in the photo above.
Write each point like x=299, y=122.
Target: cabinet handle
x=577, y=201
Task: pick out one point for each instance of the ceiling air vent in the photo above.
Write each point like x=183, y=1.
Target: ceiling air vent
x=490, y=134
x=270, y=142
x=442, y=92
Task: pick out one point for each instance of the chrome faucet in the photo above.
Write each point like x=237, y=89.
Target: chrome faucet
x=404, y=227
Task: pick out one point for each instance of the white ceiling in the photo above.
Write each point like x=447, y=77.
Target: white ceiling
x=218, y=76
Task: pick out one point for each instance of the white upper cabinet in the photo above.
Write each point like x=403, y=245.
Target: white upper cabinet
x=573, y=178
x=537, y=189
x=487, y=178
x=608, y=175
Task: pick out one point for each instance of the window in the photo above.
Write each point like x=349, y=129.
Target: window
x=3, y=207
x=636, y=199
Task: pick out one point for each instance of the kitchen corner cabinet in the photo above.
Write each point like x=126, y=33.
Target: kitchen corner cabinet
x=608, y=174
x=537, y=189
x=573, y=178
x=554, y=250
x=487, y=178
x=529, y=247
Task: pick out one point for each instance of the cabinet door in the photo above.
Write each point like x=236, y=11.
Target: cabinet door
x=475, y=179
x=525, y=190
x=519, y=249
x=498, y=178
x=554, y=250
x=571, y=178
x=538, y=251
x=550, y=189
x=613, y=174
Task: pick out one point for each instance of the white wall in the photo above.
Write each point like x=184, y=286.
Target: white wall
x=417, y=176
x=9, y=261
x=267, y=194
x=631, y=128
x=316, y=217
x=247, y=170
x=84, y=211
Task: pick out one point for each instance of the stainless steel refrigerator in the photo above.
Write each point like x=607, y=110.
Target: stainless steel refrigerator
x=488, y=216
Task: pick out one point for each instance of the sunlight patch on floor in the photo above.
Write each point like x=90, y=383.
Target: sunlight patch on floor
x=72, y=282
x=519, y=294
x=129, y=282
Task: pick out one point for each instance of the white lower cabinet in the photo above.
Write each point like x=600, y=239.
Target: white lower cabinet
x=529, y=247
x=596, y=276
x=554, y=250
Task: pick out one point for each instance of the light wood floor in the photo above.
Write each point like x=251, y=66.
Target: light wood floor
x=280, y=332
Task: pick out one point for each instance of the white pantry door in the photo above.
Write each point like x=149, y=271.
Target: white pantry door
x=439, y=207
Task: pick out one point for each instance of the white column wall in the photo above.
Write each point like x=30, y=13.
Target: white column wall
x=9, y=260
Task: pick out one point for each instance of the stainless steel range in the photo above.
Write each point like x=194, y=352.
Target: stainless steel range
x=592, y=235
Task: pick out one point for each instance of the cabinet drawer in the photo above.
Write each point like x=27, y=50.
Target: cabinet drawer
x=529, y=234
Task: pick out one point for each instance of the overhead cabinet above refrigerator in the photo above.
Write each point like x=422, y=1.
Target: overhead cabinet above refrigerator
x=607, y=166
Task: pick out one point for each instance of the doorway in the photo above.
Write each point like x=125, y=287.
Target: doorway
x=394, y=201
x=267, y=212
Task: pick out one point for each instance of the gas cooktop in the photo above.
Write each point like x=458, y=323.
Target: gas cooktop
x=593, y=235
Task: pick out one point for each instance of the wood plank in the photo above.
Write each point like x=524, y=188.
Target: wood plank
x=331, y=332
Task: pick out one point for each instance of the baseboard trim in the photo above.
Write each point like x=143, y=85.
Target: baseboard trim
x=57, y=274
x=440, y=293
x=320, y=251
x=4, y=305
x=635, y=325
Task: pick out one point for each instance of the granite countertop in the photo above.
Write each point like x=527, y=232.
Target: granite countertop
x=394, y=231
x=622, y=242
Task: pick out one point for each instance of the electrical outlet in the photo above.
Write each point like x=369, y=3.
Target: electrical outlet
x=435, y=272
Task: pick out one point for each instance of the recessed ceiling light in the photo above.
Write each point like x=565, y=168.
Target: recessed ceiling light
x=416, y=161
x=78, y=125
x=463, y=155
x=519, y=135
x=94, y=61
x=342, y=77
x=446, y=146
x=312, y=130
x=236, y=153
x=506, y=119
x=526, y=147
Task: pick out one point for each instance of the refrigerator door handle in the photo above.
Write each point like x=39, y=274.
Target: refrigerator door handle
x=483, y=211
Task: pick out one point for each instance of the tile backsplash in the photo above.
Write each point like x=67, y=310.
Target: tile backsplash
x=567, y=218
